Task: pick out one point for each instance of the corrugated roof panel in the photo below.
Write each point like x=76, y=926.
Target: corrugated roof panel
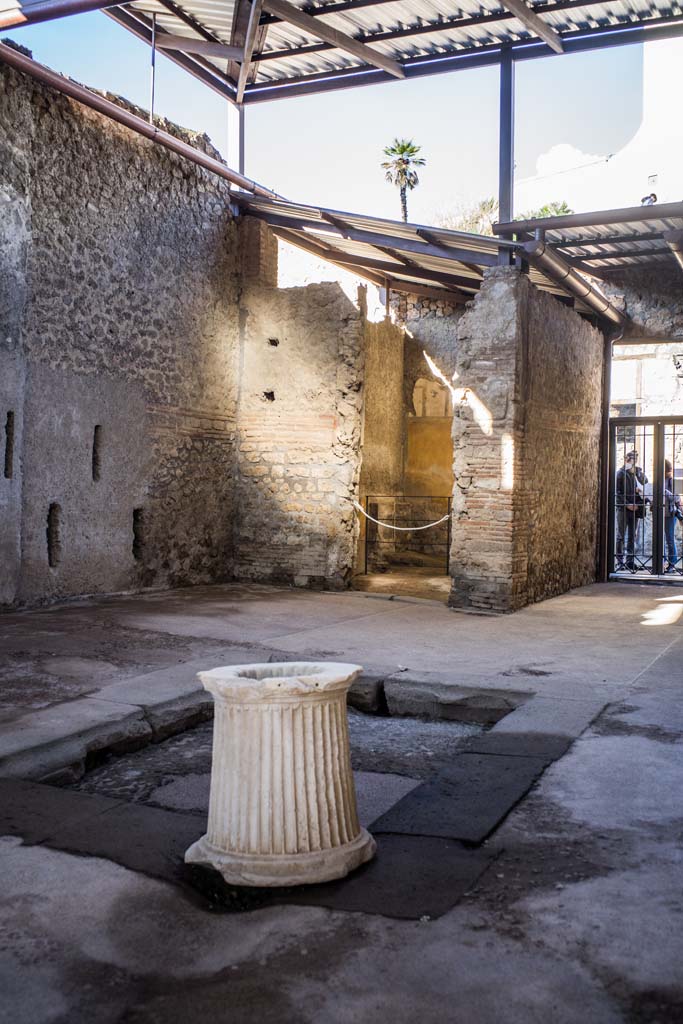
x=406, y=29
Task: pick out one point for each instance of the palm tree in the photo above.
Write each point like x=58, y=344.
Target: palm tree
x=399, y=169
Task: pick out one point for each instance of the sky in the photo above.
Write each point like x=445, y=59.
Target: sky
x=590, y=128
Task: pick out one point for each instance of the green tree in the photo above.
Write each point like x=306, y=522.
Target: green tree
x=399, y=169
x=480, y=218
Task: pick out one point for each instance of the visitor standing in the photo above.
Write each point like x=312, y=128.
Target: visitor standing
x=672, y=512
x=630, y=508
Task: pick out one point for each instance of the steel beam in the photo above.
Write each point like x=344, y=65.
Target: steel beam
x=340, y=40
x=168, y=41
x=599, y=218
x=528, y=17
x=506, y=146
x=554, y=267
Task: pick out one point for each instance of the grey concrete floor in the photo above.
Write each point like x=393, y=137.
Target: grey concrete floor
x=579, y=919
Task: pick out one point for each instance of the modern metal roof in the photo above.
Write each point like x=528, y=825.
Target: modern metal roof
x=610, y=239
x=408, y=38
x=411, y=258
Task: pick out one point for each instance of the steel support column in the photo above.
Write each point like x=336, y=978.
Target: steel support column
x=240, y=166
x=506, y=147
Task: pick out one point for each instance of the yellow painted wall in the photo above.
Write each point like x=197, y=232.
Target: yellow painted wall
x=429, y=455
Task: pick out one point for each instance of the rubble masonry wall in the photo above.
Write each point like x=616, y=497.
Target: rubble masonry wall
x=118, y=310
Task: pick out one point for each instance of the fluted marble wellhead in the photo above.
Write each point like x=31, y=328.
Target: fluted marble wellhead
x=282, y=809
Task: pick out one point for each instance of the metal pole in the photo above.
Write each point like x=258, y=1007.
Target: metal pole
x=606, y=514
x=153, y=69
x=367, y=531
x=241, y=138
x=506, y=147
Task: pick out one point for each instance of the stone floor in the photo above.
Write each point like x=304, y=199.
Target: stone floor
x=423, y=584
x=574, y=908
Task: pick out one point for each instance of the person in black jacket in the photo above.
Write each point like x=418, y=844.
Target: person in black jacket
x=630, y=508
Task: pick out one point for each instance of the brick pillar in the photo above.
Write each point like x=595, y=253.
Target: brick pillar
x=488, y=552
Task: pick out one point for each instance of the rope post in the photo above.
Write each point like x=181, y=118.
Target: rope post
x=367, y=520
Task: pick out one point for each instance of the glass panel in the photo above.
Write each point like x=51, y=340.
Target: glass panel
x=634, y=473
x=672, y=510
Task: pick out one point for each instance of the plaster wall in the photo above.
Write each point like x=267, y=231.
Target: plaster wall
x=299, y=426
x=118, y=309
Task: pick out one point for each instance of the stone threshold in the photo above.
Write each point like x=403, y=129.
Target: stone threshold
x=58, y=744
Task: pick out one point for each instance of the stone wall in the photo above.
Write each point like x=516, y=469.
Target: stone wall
x=652, y=298
x=118, y=311
x=299, y=425
x=526, y=448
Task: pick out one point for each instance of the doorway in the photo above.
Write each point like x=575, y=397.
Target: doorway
x=646, y=498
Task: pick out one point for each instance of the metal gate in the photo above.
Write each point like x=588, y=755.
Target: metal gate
x=402, y=540
x=645, y=535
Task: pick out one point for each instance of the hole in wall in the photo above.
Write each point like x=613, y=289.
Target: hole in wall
x=269, y=396
x=9, y=446
x=96, y=452
x=273, y=342
x=138, y=533
x=54, y=544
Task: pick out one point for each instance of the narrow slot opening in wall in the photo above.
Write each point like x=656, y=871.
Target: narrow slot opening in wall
x=273, y=342
x=138, y=533
x=54, y=545
x=9, y=446
x=269, y=396
x=96, y=451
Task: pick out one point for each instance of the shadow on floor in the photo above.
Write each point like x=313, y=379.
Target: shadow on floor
x=409, y=581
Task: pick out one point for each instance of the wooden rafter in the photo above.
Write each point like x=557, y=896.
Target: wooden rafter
x=168, y=41
x=524, y=13
x=252, y=34
x=339, y=40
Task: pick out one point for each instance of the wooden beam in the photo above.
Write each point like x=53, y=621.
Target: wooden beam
x=339, y=40
x=197, y=66
x=433, y=240
x=446, y=294
x=524, y=13
x=674, y=239
x=167, y=41
x=249, y=44
x=325, y=253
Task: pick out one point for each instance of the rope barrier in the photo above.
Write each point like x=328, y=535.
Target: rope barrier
x=390, y=526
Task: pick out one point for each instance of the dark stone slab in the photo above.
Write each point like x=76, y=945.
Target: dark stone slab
x=548, y=746
x=141, y=838
x=411, y=877
x=36, y=812
x=466, y=801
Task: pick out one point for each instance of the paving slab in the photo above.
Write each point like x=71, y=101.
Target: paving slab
x=376, y=792
x=47, y=740
x=467, y=800
x=411, y=877
x=551, y=716
x=450, y=703
x=37, y=812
